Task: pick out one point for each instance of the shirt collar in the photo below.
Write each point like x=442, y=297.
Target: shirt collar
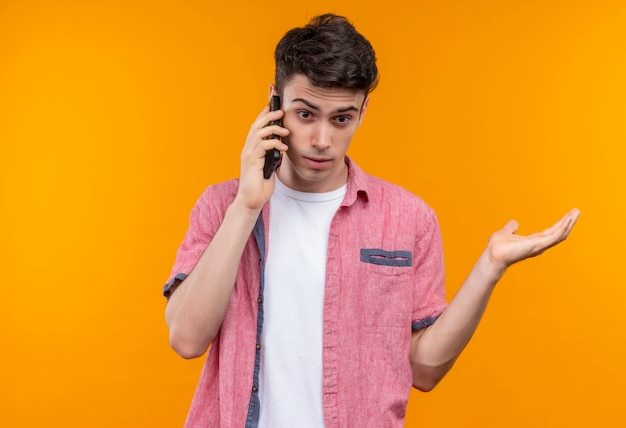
x=358, y=184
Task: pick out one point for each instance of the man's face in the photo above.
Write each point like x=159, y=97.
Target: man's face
x=321, y=123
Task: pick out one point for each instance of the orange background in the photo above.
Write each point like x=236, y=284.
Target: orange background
x=115, y=115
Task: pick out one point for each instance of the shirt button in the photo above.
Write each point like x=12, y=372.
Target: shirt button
x=254, y=389
x=259, y=300
x=258, y=346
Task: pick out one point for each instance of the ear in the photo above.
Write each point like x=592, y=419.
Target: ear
x=272, y=91
x=363, y=108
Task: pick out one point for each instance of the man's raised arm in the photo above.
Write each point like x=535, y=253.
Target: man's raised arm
x=434, y=349
x=197, y=306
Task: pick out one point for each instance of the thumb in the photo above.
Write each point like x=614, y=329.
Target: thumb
x=511, y=227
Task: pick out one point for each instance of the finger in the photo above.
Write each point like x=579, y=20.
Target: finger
x=270, y=130
x=260, y=121
x=272, y=143
x=511, y=226
x=262, y=129
x=266, y=116
x=257, y=138
x=556, y=233
x=561, y=229
x=572, y=219
x=574, y=214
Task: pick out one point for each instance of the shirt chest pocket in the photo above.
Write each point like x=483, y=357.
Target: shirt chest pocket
x=386, y=287
x=390, y=262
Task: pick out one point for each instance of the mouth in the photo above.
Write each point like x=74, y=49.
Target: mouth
x=317, y=162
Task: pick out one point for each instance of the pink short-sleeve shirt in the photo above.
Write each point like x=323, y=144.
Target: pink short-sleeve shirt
x=384, y=279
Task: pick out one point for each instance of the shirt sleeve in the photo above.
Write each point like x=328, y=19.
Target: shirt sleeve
x=429, y=292
x=200, y=232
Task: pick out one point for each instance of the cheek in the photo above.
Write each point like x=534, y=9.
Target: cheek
x=343, y=139
x=290, y=121
x=297, y=133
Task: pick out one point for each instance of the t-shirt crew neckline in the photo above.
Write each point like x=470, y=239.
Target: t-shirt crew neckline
x=308, y=196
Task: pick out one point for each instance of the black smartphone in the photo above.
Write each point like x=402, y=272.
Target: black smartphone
x=272, y=157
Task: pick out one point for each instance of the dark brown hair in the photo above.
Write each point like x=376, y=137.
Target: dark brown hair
x=330, y=52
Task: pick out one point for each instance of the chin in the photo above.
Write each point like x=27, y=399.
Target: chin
x=311, y=175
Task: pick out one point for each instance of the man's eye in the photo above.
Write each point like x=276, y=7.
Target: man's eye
x=343, y=119
x=304, y=114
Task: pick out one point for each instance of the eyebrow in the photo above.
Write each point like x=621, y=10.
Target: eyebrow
x=315, y=107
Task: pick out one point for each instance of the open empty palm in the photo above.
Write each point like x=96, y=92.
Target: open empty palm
x=506, y=247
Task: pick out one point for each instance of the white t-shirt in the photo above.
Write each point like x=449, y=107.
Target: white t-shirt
x=290, y=378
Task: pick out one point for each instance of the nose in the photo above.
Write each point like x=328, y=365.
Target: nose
x=322, y=137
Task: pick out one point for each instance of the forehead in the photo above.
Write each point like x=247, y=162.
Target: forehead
x=300, y=88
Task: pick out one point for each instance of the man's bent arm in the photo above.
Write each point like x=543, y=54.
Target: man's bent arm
x=195, y=311
x=435, y=349
x=197, y=307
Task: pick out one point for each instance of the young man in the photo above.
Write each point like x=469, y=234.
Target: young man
x=320, y=290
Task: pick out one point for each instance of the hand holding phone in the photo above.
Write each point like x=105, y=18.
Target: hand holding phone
x=272, y=157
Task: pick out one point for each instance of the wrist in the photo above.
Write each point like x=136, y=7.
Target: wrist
x=238, y=208
x=490, y=268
